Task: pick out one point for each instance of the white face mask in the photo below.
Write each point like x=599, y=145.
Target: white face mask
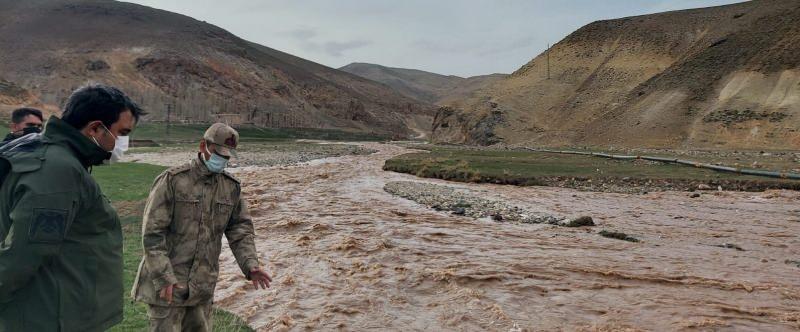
x=121, y=145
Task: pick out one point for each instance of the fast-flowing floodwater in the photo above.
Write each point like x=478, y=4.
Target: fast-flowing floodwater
x=347, y=255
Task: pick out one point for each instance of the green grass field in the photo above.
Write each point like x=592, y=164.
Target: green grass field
x=535, y=168
x=128, y=184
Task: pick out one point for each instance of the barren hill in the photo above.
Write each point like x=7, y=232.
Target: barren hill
x=421, y=85
x=13, y=96
x=204, y=73
x=722, y=77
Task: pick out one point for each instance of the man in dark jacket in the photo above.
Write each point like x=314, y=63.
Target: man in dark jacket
x=60, y=238
x=24, y=121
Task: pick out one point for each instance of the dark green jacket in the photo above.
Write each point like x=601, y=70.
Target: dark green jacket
x=60, y=239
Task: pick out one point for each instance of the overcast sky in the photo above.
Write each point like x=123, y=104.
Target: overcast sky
x=454, y=37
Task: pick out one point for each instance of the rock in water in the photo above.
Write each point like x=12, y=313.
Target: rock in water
x=730, y=246
x=580, y=221
x=618, y=236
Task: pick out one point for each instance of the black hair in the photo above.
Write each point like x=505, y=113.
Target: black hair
x=95, y=102
x=21, y=113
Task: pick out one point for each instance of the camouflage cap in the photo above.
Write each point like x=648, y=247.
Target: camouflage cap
x=224, y=137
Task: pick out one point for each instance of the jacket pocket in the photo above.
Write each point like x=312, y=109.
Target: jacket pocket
x=158, y=312
x=186, y=216
x=222, y=214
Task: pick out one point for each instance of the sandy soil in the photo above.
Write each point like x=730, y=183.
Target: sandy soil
x=348, y=255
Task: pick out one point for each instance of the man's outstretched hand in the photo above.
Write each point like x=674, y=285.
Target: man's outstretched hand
x=260, y=278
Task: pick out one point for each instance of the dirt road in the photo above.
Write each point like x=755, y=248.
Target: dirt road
x=347, y=255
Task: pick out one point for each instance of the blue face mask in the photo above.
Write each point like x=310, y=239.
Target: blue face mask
x=216, y=163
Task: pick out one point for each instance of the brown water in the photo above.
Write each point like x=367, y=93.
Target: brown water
x=347, y=255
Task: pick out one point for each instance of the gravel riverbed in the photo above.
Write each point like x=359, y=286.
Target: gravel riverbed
x=464, y=202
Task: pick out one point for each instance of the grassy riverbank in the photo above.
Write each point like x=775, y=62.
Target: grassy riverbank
x=574, y=171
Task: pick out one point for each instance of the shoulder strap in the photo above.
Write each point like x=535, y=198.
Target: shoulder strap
x=179, y=169
x=230, y=176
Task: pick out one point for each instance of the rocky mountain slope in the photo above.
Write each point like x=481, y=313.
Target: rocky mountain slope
x=723, y=77
x=13, y=96
x=421, y=85
x=200, y=72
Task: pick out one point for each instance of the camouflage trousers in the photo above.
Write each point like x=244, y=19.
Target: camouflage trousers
x=178, y=319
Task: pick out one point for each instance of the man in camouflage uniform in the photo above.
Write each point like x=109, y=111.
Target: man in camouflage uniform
x=189, y=209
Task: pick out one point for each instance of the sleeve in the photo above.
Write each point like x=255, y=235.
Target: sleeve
x=241, y=238
x=155, y=227
x=38, y=226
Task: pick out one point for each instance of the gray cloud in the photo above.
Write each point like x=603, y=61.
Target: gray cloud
x=302, y=34
x=308, y=38
x=457, y=37
x=443, y=46
x=337, y=48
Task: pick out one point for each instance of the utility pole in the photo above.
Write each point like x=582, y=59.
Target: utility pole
x=548, y=61
x=169, y=113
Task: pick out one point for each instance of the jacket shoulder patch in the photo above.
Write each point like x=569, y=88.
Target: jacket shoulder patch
x=48, y=225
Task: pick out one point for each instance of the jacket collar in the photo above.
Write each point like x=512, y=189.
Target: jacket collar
x=61, y=133
x=199, y=167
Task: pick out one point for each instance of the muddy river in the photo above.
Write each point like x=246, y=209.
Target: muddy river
x=347, y=255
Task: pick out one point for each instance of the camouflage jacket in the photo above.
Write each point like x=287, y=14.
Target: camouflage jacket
x=187, y=212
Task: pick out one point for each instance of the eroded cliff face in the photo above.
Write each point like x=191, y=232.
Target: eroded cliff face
x=202, y=72
x=722, y=77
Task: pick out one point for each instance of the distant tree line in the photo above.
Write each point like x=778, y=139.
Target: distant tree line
x=194, y=104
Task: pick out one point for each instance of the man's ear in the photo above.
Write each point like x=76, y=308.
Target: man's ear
x=92, y=129
x=204, y=148
x=94, y=125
